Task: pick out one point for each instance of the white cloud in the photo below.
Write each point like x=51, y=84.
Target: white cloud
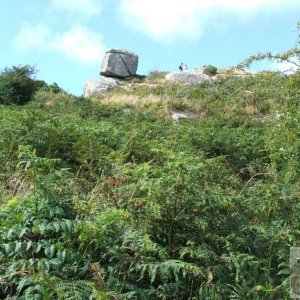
x=84, y=8
x=163, y=19
x=159, y=18
x=31, y=37
x=79, y=43
x=286, y=67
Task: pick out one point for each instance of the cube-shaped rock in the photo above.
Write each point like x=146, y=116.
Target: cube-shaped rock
x=119, y=63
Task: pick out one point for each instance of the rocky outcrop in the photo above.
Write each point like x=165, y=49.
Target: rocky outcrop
x=116, y=64
x=178, y=116
x=98, y=85
x=119, y=63
x=191, y=77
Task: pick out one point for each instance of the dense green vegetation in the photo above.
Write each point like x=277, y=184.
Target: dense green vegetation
x=18, y=85
x=104, y=200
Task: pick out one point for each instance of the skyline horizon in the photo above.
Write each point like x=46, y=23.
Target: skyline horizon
x=66, y=40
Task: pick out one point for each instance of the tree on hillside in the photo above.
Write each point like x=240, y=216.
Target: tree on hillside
x=291, y=56
x=18, y=85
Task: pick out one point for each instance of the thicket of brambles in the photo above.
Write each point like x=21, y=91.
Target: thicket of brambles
x=117, y=201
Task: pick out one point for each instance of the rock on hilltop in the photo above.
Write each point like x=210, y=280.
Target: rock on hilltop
x=119, y=63
x=116, y=64
x=192, y=77
x=98, y=85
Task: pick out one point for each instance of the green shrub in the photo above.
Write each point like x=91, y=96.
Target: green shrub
x=17, y=85
x=210, y=70
x=52, y=88
x=284, y=139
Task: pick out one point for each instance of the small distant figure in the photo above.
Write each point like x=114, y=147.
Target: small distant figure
x=183, y=67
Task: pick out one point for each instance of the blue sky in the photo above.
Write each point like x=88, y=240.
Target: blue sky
x=66, y=39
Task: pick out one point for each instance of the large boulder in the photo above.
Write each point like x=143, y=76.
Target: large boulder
x=191, y=77
x=98, y=85
x=119, y=63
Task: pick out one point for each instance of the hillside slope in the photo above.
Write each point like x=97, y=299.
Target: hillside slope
x=110, y=198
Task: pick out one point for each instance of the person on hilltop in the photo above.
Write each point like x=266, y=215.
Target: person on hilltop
x=183, y=67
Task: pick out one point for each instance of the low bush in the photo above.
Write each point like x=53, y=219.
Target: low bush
x=210, y=70
x=17, y=85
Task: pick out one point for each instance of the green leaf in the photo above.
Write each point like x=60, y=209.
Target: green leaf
x=8, y=248
x=10, y=233
x=52, y=251
x=18, y=246
x=29, y=245
x=23, y=231
x=38, y=248
x=56, y=226
x=69, y=225
x=63, y=256
x=42, y=228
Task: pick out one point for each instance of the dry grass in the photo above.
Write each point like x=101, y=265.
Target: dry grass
x=130, y=100
x=251, y=110
x=16, y=185
x=156, y=77
x=159, y=105
x=162, y=106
